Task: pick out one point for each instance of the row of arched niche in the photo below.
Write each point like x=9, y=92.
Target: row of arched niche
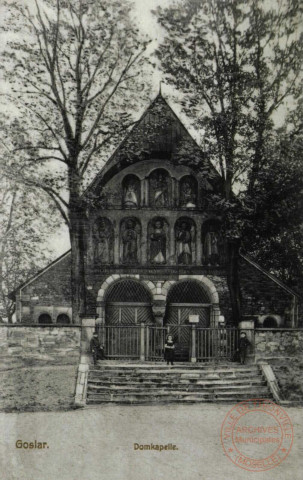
x=157, y=242
x=159, y=190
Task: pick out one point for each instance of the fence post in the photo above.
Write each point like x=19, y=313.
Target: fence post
x=147, y=343
x=142, y=342
x=193, y=344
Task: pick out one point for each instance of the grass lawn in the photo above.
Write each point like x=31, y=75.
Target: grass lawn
x=38, y=388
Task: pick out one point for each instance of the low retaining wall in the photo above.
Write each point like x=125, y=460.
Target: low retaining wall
x=278, y=342
x=283, y=350
x=30, y=344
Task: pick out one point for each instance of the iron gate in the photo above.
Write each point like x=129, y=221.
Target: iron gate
x=120, y=341
x=216, y=344
x=177, y=322
x=147, y=342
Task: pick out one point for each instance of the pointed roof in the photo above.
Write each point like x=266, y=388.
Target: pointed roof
x=159, y=133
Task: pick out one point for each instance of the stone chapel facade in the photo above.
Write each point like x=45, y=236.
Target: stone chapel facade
x=155, y=252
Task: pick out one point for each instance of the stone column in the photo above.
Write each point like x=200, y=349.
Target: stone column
x=159, y=312
x=177, y=193
x=144, y=241
x=214, y=317
x=100, y=312
x=144, y=192
x=87, y=330
x=248, y=326
x=198, y=244
x=116, y=243
x=172, y=242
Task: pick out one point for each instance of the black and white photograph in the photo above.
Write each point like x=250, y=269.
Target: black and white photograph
x=151, y=239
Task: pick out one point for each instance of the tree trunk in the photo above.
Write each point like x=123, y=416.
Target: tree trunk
x=77, y=268
x=233, y=246
x=77, y=240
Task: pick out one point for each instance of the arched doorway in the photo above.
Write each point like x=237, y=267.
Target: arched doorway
x=184, y=299
x=128, y=303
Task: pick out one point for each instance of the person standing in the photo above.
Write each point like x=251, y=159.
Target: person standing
x=243, y=346
x=96, y=349
x=169, y=350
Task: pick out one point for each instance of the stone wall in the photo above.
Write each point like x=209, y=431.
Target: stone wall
x=37, y=344
x=283, y=350
x=278, y=343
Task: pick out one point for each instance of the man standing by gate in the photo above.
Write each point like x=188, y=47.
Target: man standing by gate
x=243, y=346
x=96, y=349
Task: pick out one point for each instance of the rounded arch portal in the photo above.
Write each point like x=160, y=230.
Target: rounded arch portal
x=128, y=302
x=188, y=291
x=128, y=290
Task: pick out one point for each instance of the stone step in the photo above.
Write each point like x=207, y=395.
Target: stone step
x=173, y=368
x=170, y=375
x=188, y=383
x=164, y=393
x=174, y=397
x=195, y=386
x=176, y=387
x=147, y=384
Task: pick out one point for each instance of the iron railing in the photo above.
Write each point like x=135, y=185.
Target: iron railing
x=146, y=342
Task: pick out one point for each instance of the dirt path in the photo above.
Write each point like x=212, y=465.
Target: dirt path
x=98, y=443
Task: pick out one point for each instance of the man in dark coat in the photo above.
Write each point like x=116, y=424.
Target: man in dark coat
x=243, y=346
x=96, y=349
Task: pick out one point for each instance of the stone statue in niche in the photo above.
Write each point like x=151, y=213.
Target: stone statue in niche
x=160, y=190
x=188, y=193
x=131, y=197
x=157, y=243
x=211, y=248
x=185, y=234
x=103, y=241
x=130, y=237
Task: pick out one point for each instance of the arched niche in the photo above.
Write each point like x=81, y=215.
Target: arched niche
x=158, y=241
x=270, y=322
x=185, y=241
x=131, y=191
x=44, y=318
x=130, y=241
x=103, y=241
x=63, y=318
x=188, y=192
x=212, y=243
x=159, y=188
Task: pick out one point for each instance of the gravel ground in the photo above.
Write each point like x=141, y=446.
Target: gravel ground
x=98, y=443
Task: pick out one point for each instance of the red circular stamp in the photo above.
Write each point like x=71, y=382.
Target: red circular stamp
x=257, y=435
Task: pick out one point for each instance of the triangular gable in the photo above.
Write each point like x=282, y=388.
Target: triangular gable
x=158, y=132
x=12, y=295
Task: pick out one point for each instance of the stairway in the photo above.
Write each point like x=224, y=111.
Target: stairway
x=146, y=383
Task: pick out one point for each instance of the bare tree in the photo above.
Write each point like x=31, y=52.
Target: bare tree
x=74, y=71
